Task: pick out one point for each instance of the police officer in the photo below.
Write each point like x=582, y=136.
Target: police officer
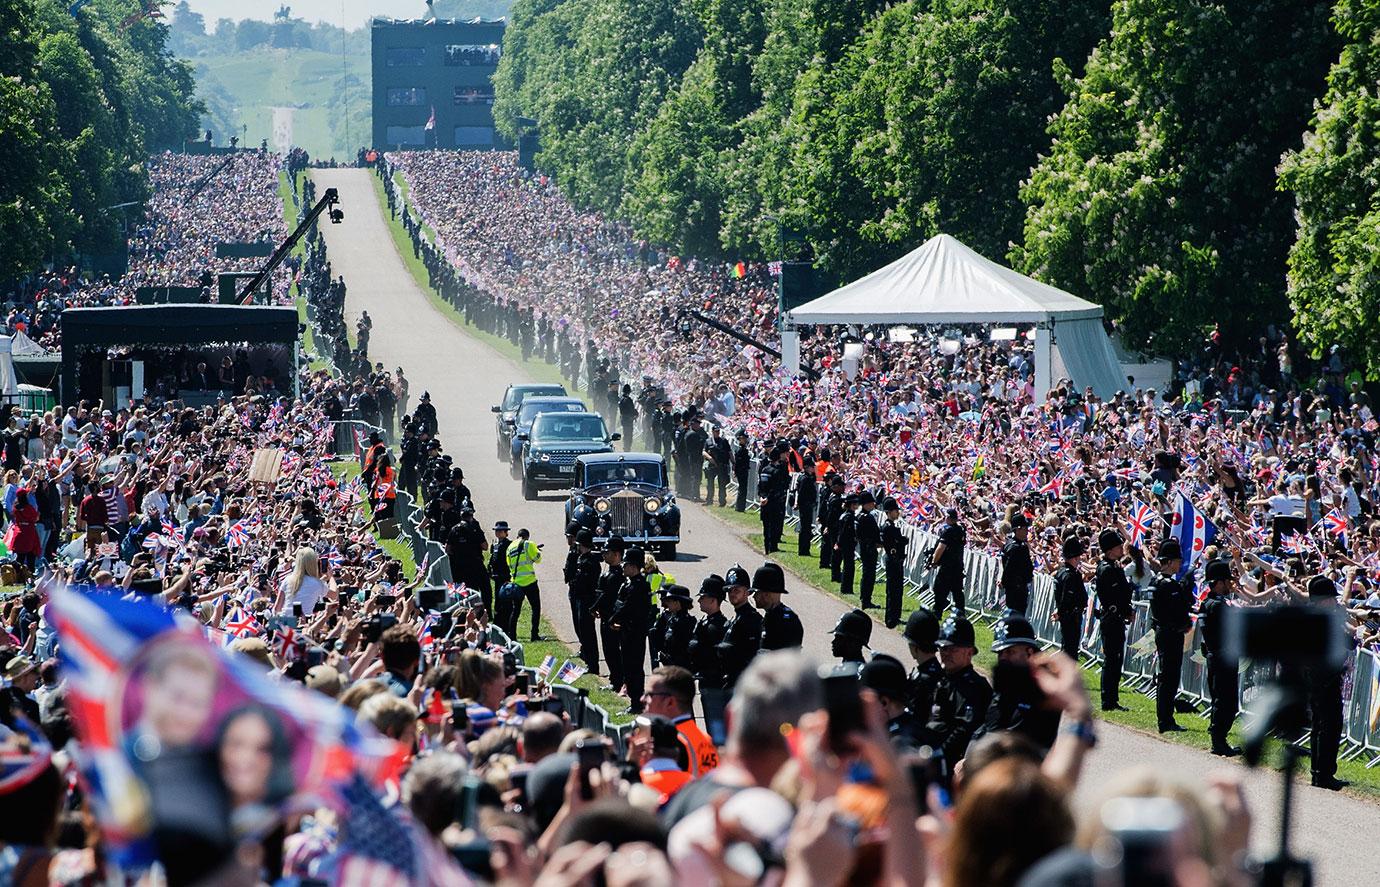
x=498, y=555
x=921, y=634
x=773, y=482
x=609, y=585
x=1113, y=591
x=1016, y=699
x=425, y=413
x=869, y=536
x=677, y=626
x=743, y=633
x=584, y=589
x=631, y=617
x=627, y=415
x=742, y=462
x=1070, y=598
x=894, y=542
x=1017, y=569
x=1170, y=603
x=694, y=452
x=1325, y=709
x=708, y=632
x=886, y=676
x=717, y=455
x=1222, y=681
x=846, y=543
x=851, y=633
x=829, y=510
x=947, y=558
x=781, y=628
x=961, y=702
x=465, y=546
x=806, y=498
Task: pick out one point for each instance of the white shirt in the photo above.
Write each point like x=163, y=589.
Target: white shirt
x=1286, y=506
x=311, y=591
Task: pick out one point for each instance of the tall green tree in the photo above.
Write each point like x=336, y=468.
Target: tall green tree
x=594, y=74
x=1157, y=197
x=678, y=163
x=935, y=115
x=1334, y=265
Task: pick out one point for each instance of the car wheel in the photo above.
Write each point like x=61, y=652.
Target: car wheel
x=668, y=552
x=529, y=490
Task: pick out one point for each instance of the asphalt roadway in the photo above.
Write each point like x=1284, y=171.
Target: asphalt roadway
x=465, y=377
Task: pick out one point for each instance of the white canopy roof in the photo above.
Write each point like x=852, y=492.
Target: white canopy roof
x=22, y=346
x=943, y=281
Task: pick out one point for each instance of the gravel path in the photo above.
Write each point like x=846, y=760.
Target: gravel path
x=465, y=377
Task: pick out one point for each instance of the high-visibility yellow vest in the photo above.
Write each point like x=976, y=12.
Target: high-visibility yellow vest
x=659, y=580
x=523, y=558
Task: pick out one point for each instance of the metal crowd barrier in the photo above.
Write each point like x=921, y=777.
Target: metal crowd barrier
x=585, y=714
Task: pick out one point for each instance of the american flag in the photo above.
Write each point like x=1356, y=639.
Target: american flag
x=377, y=848
x=544, y=670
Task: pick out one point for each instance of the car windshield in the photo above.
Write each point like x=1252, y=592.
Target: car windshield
x=623, y=472
x=568, y=426
x=515, y=396
x=529, y=409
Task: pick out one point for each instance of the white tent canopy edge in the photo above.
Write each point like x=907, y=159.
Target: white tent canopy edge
x=943, y=281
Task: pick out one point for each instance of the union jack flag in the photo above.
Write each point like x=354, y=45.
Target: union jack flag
x=1335, y=523
x=238, y=534
x=286, y=643
x=169, y=528
x=1055, y=486
x=1138, y=523
x=242, y=624
x=570, y=672
x=1295, y=543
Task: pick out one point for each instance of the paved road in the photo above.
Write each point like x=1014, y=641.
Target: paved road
x=465, y=377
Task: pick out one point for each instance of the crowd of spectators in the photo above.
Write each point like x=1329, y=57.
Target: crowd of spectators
x=1266, y=449
x=197, y=201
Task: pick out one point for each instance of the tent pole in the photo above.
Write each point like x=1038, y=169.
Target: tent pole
x=1044, y=361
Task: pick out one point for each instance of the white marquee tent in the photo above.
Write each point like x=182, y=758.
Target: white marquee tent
x=945, y=282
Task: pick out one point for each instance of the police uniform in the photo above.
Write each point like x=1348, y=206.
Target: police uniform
x=1170, y=602
x=886, y=676
x=1070, y=599
x=894, y=544
x=773, y=481
x=851, y=634
x=1017, y=569
x=962, y=699
x=1017, y=705
x=948, y=579
x=1114, y=612
x=609, y=585
x=845, y=542
x=922, y=633
x=868, y=535
x=742, y=461
x=673, y=643
x=742, y=635
x=1325, y=710
x=584, y=589
x=781, y=628
x=1222, y=671
x=705, y=638
x=631, y=617
x=830, y=507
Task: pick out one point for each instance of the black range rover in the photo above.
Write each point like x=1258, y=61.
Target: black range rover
x=549, y=450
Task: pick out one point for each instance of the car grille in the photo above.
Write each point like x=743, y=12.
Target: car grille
x=625, y=515
x=558, y=458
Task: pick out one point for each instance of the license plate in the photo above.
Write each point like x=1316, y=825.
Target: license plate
x=566, y=469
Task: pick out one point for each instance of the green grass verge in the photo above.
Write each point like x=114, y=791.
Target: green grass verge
x=1141, y=708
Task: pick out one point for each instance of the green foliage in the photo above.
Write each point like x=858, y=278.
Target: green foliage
x=594, y=73
x=83, y=100
x=1333, y=266
x=1157, y=197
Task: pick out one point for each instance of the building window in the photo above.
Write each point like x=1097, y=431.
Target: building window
x=406, y=95
x=474, y=136
x=405, y=56
x=406, y=135
x=465, y=54
x=475, y=95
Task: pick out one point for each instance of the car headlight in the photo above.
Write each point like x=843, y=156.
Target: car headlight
x=602, y=505
x=545, y=457
x=651, y=504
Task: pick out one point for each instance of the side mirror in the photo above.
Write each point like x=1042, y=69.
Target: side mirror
x=523, y=436
x=615, y=436
x=495, y=409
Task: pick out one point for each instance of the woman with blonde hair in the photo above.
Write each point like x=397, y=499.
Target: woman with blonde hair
x=303, y=585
